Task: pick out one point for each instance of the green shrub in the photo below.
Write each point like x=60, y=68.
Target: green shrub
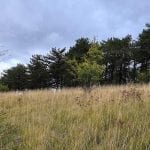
x=3, y=88
x=144, y=76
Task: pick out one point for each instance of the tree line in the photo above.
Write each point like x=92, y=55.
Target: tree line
x=86, y=63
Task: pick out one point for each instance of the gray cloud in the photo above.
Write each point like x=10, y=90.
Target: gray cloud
x=31, y=26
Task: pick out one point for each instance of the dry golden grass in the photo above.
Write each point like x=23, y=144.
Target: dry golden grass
x=113, y=117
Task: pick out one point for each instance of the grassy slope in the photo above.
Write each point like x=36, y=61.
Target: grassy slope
x=108, y=118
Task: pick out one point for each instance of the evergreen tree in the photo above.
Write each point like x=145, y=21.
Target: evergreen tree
x=16, y=78
x=91, y=69
x=70, y=74
x=55, y=61
x=144, y=55
x=117, y=56
x=80, y=48
x=38, y=73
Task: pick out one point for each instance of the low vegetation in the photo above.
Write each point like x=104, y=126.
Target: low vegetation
x=3, y=88
x=113, y=117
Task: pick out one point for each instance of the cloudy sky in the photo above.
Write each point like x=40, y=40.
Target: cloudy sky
x=34, y=26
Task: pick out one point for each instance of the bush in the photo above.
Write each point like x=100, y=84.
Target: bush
x=144, y=76
x=3, y=88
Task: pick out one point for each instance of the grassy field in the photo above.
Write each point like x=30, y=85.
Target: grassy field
x=109, y=118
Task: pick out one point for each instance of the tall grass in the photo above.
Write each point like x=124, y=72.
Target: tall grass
x=113, y=117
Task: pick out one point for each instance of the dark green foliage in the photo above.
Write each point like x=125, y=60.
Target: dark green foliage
x=144, y=76
x=38, y=73
x=55, y=61
x=3, y=88
x=117, y=58
x=144, y=44
x=71, y=74
x=80, y=48
x=16, y=78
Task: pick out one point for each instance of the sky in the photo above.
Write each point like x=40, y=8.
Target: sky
x=30, y=27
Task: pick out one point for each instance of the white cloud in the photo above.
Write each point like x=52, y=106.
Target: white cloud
x=6, y=65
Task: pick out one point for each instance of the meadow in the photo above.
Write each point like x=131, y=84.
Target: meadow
x=108, y=118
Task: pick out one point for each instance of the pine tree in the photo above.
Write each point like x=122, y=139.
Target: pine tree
x=55, y=61
x=38, y=73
